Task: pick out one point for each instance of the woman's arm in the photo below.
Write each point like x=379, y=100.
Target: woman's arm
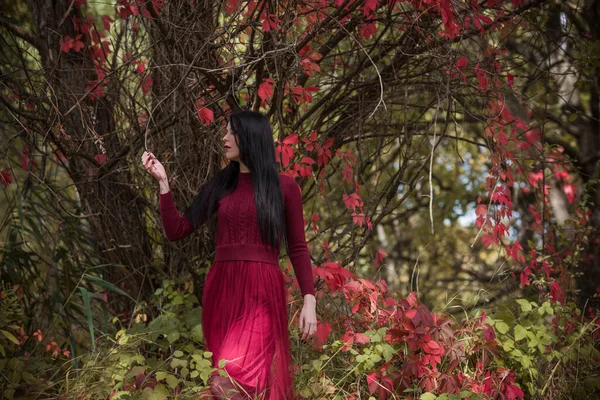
x=176, y=226
x=294, y=222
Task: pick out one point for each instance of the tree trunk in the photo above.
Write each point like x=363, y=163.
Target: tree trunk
x=117, y=220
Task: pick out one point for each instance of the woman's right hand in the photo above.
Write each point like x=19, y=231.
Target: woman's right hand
x=154, y=167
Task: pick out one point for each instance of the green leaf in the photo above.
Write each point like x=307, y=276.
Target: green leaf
x=178, y=353
x=203, y=364
x=541, y=310
x=105, y=285
x=88, y=311
x=172, y=381
x=172, y=336
x=196, y=333
x=501, y=326
x=428, y=396
x=30, y=379
x=317, y=364
x=388, y=352
x=520, y=332
x=161, y=375
x=160, y=392
x=516, y=353
x=533, y=339
x=178, y=363
x=525, y=305
x=10, y=336
x=508, y=345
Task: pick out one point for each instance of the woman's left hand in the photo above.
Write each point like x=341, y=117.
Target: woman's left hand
x=308, y=317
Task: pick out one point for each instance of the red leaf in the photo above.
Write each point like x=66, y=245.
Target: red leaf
x=6, y=177
x=265, y=90
x=370, y=6
x=570, y=192
x=412, y=299
x=101, y=158
x=524, y=277
x=106, y=20
x=483, y=81
x=147, y=84
x=78, y=45
x=461, y=62
x=481, y=210
x=291, y=139
x=308, y=160
x=489, y=333
x=26, y=162
x=448, y=19
x=231, y=6
x=433, y=345
x=487, y=240
x=557, y=293
x=362, y=338
x=411, y=313
x=141, y=67
x=67, y=43
x=372, y=382
x=513, y=392
x=367, y=30
x=205, y=114
x=323, y=331
x=352, y=201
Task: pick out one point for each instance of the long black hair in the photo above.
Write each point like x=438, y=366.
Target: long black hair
x=254, y=137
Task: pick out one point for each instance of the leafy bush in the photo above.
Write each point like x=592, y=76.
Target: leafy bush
x=383, y=347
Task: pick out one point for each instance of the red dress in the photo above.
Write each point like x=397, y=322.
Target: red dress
x=244, y=313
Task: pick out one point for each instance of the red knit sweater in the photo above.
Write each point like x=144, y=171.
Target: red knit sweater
x=238, y=236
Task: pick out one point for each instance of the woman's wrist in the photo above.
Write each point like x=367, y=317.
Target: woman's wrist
x=310, y=299
x=164, y=186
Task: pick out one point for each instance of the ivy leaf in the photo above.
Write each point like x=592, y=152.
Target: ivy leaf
x=265, y=90
x=206, y=115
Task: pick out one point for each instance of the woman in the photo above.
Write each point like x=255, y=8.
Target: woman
x=244, y=312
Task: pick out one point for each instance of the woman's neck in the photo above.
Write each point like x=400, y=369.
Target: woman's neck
x=244, y=169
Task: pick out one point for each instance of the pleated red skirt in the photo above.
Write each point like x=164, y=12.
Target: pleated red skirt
x=245, y=322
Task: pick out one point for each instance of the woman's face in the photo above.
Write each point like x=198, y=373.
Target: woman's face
x=232, y=152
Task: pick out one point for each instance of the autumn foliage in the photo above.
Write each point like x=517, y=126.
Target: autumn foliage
x=447, y=152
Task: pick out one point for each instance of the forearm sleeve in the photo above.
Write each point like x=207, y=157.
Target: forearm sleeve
x=297, y=240
x=176, y=226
